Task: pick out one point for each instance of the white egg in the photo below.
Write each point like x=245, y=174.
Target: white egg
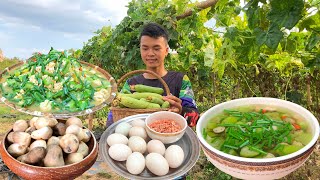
x=156, y=146
x=123, y=128
x=174, y=155
x=157, y=164
x=138, y=122
x=137, y=144
x=135, y=163
x=117, y=138
x=138, y=131
x=119, y=152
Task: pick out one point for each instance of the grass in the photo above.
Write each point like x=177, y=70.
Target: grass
x=6, y=123
x=104, y=175
x=7, y=63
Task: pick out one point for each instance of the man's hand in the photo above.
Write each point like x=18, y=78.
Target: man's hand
x=175, y=103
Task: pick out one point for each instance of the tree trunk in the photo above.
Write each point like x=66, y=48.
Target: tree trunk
x=214, y=89
x=238, y=89
x=316, y=94
x=309, y=98
x=200, y=5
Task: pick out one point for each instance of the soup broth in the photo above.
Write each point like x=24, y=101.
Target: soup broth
x=257, y=132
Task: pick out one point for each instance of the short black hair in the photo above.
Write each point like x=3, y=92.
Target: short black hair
x=154, y=30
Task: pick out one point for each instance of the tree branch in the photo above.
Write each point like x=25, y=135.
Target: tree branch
x=200, y=5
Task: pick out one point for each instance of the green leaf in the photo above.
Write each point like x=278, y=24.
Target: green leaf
x=252, y=13
x=315, y=62
x=209, y=54
x=294, y=96
x=232, y=33
x=221, y=70
x=221, y=5
x=312, y=41
x=273, y=37
x=286, y=13
x=311, y=23
x=261, y=36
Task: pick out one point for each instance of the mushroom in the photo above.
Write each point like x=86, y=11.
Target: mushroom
x=74, y=158
x=17, y=150
x=20, y=125
x=86, y=135
x=69, y=143
x=44, y=122
x=34, y=156
x=21, y=138
x=76, y=130
x=59, y=129
x=74, y=120
x=43, y=133
x=53, y=140
x=83, y=149
x=38, y=143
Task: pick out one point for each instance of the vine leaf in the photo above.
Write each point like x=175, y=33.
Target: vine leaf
x=252, y=13
x=312, y=41
x=294, y=96
x=273, y=37
x=312, y=63
x=261, y=36
x=270, y=38
x=209, y=54
x=219, y=67
x=311, y=23
x=286, y=13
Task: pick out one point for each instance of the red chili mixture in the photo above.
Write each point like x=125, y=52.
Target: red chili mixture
x=165, y=126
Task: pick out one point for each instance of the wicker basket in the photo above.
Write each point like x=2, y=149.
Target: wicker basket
x=119, y=113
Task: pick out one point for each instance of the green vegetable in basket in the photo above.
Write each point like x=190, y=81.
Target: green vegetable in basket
x=136, y=103
x=145, y=88
x=139, y=95
x=155, y=100
x=165, y=104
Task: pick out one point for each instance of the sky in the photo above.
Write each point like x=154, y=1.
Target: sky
x=34, y=26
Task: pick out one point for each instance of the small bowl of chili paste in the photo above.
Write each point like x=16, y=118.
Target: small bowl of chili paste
x=168, y=127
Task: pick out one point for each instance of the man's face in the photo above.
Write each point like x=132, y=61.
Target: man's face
x=153, y=51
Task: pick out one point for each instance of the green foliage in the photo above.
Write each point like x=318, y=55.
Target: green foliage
x=286, y=13
x=264, y=48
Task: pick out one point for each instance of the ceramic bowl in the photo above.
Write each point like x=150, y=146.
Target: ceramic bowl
x=166, y=138
x=253, y=168
x=31, y=172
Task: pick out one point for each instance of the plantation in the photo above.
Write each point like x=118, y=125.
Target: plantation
x=253, y=48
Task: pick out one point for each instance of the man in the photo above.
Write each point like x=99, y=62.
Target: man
x=154, y=49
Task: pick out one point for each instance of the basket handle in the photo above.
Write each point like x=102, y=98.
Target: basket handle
x=166, y=88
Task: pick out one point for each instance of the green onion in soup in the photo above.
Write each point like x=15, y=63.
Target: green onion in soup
x=255, y=132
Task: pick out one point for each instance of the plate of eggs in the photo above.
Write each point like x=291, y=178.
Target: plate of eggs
x=127, y=148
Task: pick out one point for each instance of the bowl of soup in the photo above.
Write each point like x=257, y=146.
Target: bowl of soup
x=258, y=137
